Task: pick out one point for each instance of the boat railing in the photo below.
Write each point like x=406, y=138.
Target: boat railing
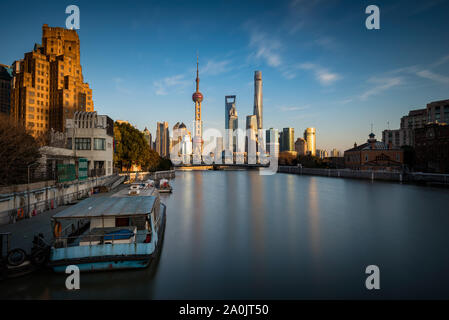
x=92, y=239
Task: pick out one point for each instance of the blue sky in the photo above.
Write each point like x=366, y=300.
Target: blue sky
x=321, y=67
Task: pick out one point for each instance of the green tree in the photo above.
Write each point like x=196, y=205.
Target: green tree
x=18, y=150
x=131, y=148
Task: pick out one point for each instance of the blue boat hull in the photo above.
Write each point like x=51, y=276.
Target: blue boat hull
x=109, y=256
x=106, y=265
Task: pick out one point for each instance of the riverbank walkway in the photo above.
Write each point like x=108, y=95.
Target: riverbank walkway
x=23, y=231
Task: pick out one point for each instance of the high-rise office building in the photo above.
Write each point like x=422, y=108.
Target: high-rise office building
x=163, y=139
x=272, y=141
x=197, y=97
x=229, y=109
x=258, y=99
x=231, y=126
x=148, y=138
x=5, y=89
x=310, y=137
x=301, y=146
x=288, y=139
x=48, y=85
x=251, y=137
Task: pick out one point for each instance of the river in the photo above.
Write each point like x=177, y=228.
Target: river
x=239, y=235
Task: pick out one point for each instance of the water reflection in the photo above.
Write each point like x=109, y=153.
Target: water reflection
x=240, y=235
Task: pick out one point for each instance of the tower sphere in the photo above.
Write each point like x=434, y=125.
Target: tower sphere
x=197, y=97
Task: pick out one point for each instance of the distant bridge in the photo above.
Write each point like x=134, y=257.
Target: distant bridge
x=243, y=166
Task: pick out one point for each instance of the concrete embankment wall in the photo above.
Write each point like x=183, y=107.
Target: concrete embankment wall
x=16, y=201
x=414, y=177
x=133, y=176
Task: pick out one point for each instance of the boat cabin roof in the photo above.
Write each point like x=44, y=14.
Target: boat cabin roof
x=108, y=207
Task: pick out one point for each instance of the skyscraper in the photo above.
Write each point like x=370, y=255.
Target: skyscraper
x=229, y=105
x=197, y=97
x=301, y=146
x=258, y=99
x=288, y=139
x=231, y=124
x=310, y=137
x=272, y=141
x=163, y=139
x=148, y=138
x=251, y=134
x=5, y=88
x=48, y=85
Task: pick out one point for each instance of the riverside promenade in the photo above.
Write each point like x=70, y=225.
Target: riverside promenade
x=23, y=231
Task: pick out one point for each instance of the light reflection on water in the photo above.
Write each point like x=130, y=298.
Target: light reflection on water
x=237, y=234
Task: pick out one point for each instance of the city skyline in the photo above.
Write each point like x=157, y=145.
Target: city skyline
x=330, y=74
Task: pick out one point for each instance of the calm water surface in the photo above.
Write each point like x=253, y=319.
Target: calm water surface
x=237, y=234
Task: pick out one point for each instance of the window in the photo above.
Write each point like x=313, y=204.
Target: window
x=82, y=144
x=99, y=144
x=69, y=143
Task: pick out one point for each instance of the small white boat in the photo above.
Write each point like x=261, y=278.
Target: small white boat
x=164, y=186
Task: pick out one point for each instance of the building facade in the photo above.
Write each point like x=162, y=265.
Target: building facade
x=438, y=112
x=48, y=86
x=5, y=89
x=258, y=99
x=374, y=155
x=272, y=141
x=91, y=136
x=148, y=137
x=310, y=138
x=301, y=146
x=432, y=148
x=287, y=139
x=163, y=139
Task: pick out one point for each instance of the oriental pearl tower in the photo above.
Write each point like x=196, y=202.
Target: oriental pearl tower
x=197, y=97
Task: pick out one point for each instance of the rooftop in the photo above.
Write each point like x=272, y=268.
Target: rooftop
x=108, y=206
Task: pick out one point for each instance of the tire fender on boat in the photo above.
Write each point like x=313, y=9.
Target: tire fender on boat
x=16, y=257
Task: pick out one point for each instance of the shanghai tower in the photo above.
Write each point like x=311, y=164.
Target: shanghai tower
x=258, y=99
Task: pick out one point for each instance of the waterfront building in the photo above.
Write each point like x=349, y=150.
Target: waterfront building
x=374, y=155
x=48, y=85
x=321, y=153
x=197, y=97
x=415, y=119
x=438, y=112
x=179, y=130
x=258, y=99
x=163, y=139
x=148, y=138
x=186, y=148
x=301, y=146
x=310, y=138
x=230, y=109
x=231, y=129
x=432, y=148
x=218, y=150
x=251, y=139
x=90, y=136
x=272, y=141
x=5, y=89
x=335, y=153
x=287, y=138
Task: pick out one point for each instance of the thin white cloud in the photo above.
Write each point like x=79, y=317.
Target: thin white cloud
x=265, y=47
x=213, y=67
x=441, y=61
x=173, y=83
x=380, y=85
x=296, y=108
x=433, y=76
x=324, y=76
